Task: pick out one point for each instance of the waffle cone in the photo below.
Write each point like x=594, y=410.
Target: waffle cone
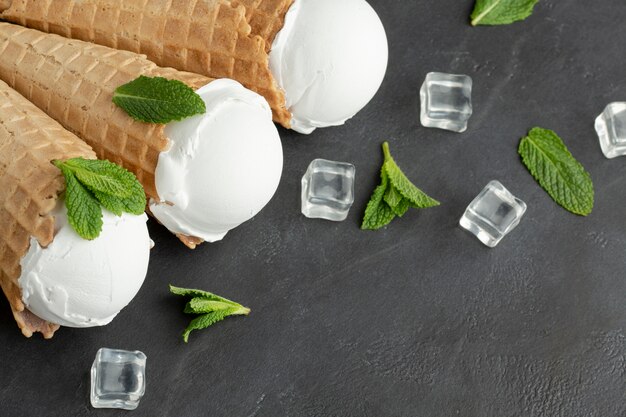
x=266, y=17
x=30, y=184
x=73, y=82
x=209, y=37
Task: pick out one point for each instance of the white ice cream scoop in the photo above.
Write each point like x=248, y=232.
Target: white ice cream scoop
x=83, y=283
x=330, y=58
x=222, y=167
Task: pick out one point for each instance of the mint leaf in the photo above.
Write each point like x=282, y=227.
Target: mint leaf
x=205, y=320
x=92, y=184
x=212, y=307
x=378, y=214
x=501, y=12
x=188, y=292
x=557, y=171
x=393, y=197
x=83, y=211
x=202, y=305
x=398, y=204
x=103, y=176
x=158, y=100
x=403, y=185
x=134, y=204
x=114, y=205
x=402, y=207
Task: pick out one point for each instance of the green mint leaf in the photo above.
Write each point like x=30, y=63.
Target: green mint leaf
x=114, y=205
x=557, y=171
x=212, y=307
x=501, y=12
x=188, y=292
x=378, y=214
x=398, y=204
x=393, y=197
x=403, y=185
x=102, y=176
x=158, y=100
x=202, y=305
x=135, y=204
x=402, y=207
x=83, y=211
x=206, y=320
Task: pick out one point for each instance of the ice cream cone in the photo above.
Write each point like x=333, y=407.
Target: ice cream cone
x=74, y=81
x=209, y=37
x=30, y=184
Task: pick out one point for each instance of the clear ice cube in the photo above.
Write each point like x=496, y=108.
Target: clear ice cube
x=328, y=190
x=493, y=214
x=446, y=101
x=611, y=128
x=118, y=379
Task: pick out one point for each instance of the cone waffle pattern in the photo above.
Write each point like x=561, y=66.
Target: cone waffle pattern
x=30, y=185
x=210, y=37
x=74, y=81
x=266, y=17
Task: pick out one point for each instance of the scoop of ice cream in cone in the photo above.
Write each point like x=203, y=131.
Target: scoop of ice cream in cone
x=76, y=282
x=51, y=275
x=222, y=167
x=330, y=58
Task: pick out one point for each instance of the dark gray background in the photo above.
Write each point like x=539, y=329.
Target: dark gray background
x=419, y=319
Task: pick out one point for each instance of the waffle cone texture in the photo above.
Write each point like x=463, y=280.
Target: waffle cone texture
x=266, y=17
x=73, y=82
x=30, y=186
x=209, y=37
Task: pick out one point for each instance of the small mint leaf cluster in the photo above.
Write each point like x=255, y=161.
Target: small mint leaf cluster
x=501, y=12
x=158, y=100
x=92, y=184
x=395, y=195
x=209, y=307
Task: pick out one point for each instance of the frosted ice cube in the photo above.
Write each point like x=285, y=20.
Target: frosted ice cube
x=118, y=379
x=611, y=128
x=446, y=101
x=493, y=214
x=328, y=190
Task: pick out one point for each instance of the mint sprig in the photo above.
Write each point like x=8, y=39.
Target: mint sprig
x=158, y=100
x=501, y=12
x=211, y=309
x=557, y=171
x=92, y=184
x=394, y=196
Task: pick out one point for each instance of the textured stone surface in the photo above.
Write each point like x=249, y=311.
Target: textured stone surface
x=419, y=319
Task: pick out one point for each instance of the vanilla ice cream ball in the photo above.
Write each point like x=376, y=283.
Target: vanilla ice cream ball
x=76, y=282
x=222, y=167
x=330, y=58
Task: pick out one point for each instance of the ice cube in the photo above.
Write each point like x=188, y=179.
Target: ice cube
x=328, y=190
x=446, y=101
x=493, y=214
x=611, y=128
x=118, y=379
